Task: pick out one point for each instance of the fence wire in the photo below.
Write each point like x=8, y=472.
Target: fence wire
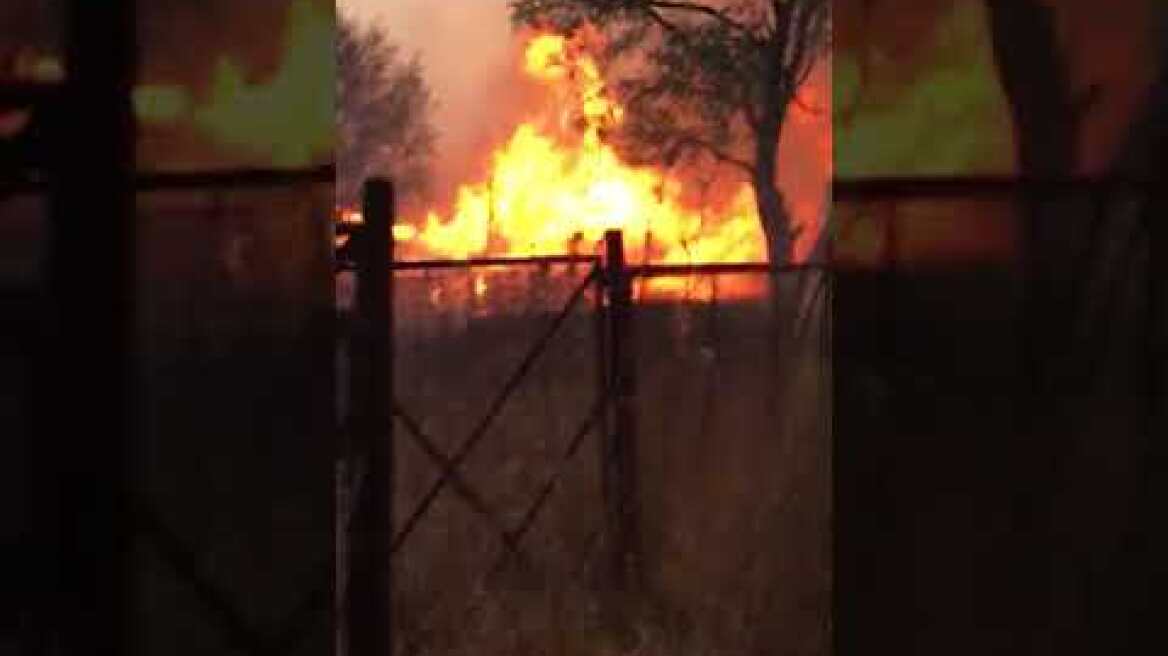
x=501, y=553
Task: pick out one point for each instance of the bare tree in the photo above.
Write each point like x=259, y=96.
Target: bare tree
x=383, y=112
x=709, y=79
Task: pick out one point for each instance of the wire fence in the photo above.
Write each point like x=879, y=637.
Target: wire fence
x=556, y=445
x=233, y=348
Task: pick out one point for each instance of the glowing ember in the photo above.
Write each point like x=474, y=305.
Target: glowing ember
x=549, y=189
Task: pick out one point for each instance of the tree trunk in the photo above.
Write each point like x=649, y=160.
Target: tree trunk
x=776, y=223
x=1035, y=81
x=1131, y=577
x=1054, y=455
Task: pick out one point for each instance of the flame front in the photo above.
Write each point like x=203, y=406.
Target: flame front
x=555, y=184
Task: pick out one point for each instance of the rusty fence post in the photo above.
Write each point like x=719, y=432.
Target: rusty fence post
x=369, y=608
x=603, y=388
x=620, y=452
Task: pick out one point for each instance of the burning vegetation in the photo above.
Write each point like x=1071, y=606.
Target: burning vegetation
x=556, y=183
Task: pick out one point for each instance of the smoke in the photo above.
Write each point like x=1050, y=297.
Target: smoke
x=471, y=61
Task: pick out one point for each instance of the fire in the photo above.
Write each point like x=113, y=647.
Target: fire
x=556, y=182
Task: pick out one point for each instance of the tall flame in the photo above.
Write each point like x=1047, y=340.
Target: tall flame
x=550, y=186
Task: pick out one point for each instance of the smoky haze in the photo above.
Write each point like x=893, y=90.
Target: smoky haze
x=471, y=63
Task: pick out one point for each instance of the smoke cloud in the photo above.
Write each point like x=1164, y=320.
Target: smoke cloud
x=471, y=61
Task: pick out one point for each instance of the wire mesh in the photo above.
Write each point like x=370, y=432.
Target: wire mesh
x=713, y=349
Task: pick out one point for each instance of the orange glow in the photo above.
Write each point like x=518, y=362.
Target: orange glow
x=480, y=286
x=404, y=232
x=549, y=186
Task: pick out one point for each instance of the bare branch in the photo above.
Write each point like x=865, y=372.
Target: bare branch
x=803, y=41
x=714, y=151
x=661, y=20
x=808, y=109
x=697, y=8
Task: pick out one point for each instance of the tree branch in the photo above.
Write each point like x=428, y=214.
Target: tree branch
x=697, y=8
x=803, y=44
x=808, y=109
x=656, y=17
x=714, y=151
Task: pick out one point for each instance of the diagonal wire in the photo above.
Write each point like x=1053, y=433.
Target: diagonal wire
x=472, y=498
x=493, y=411
x=549, y=486
x=185, y=563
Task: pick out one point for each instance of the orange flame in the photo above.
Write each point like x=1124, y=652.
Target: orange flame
x=550, y=186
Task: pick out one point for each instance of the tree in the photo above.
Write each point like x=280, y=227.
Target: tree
x=383, y=113
x=1049, y=116
x=707, y=80
x=1081, y=493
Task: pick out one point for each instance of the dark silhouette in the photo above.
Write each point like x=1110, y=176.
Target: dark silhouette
x=1010, y=459
x=383, y=113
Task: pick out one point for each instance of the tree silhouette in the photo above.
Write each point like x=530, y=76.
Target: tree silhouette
x=383, y=112
x=705, y=80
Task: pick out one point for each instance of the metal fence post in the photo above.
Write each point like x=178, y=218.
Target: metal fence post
x=370, y=581
x=85, y=520
x=620, y=452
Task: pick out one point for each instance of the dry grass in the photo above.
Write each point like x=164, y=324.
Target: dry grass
x=734, y=473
